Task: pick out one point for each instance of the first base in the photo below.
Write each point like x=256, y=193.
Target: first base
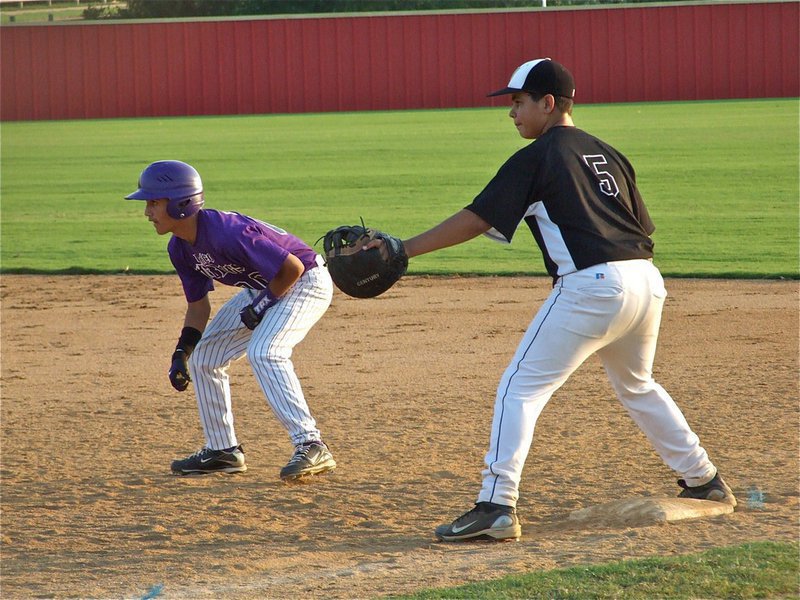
x=649, y=511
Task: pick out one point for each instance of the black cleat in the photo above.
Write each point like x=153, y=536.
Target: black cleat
x=487, y=521
x=716, y=490
x=206, y=460
x=311, y=458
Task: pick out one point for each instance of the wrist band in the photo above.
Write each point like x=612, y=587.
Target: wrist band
x=188, y=340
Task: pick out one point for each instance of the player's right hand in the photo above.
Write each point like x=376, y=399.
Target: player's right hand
x=179, y=371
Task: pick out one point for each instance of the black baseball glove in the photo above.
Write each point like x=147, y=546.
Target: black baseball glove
x=363, y=273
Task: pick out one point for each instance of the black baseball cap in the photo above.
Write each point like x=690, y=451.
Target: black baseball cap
x=541, y=76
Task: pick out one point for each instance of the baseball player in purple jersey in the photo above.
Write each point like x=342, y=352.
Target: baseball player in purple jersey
x=579, y=198
x=286, y=289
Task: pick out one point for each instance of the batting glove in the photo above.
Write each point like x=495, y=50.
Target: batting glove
x=252, y=314
x=179, y=371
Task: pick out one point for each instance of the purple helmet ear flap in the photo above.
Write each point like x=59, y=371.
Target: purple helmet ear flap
x=175, y=181
x=180, y=208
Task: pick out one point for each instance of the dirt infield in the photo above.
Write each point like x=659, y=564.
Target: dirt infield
x=402, y=387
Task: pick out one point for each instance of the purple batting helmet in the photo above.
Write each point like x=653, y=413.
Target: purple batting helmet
x=174, y=180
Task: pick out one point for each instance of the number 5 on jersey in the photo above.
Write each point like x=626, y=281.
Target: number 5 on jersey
x=608, y=184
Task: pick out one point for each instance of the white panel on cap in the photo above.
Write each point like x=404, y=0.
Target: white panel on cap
x=521, y=74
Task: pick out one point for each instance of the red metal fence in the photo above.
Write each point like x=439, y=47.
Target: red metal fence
x=400, y=61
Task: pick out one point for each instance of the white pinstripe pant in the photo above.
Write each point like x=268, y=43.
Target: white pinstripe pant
x=269, y=350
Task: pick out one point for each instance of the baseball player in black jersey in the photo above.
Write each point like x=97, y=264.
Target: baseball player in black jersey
x=579, y=198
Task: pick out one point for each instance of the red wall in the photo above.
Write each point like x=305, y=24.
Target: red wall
x=287, y=65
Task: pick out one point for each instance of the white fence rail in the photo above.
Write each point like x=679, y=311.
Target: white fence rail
x=22, y=3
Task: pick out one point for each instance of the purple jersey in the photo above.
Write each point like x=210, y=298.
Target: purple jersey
x=235, y=250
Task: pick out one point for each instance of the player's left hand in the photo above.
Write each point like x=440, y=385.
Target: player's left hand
x=252, y=314
x=179, y=371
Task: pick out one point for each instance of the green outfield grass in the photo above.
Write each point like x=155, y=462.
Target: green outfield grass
x=41, y=13
x=720, y=179
x=757, y=570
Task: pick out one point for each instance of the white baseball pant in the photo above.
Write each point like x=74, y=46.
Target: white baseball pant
x=613, y=309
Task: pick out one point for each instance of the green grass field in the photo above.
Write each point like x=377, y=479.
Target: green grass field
x=757, y=570
x=721, y=185
x=720, y=179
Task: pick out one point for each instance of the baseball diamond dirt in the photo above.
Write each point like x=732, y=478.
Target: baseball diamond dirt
x=403, y=388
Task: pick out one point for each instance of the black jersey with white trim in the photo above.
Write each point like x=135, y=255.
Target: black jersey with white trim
x=577, y=194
